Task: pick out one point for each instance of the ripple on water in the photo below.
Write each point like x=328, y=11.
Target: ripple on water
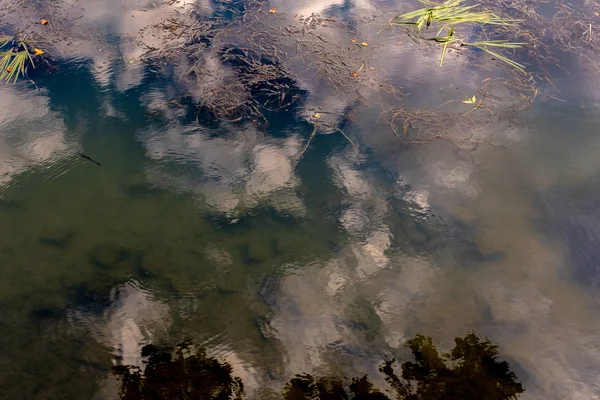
x=32, y=136
x=365, y=295
x=127, y=319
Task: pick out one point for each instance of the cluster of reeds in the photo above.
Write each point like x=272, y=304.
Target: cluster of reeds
x=451, y=13
x=15, y=56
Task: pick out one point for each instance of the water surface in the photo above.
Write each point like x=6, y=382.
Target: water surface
x=326, y=263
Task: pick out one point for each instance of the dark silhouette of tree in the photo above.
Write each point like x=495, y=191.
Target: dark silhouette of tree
x=305, y=387
x=178, y=373
x=476, y=372
x=362, y=389
x=470, y=371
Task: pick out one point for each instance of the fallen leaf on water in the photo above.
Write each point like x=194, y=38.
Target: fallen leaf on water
x=44, y=21
x=471, y=100
x=353, y=40
x=364, y=44
x=38, y=52
x=273, y=10
x=355, y=73
x=317, y=115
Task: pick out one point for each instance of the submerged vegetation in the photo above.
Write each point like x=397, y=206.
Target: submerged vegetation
x=257, y=74
x=470, y=371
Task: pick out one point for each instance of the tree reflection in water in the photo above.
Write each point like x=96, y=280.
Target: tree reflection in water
x=470, y=371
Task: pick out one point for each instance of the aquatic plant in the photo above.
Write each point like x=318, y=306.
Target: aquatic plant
x=470, y=371
x=14, y=58
x=452, y=13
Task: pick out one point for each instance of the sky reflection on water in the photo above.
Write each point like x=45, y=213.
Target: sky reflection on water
x=322, y=264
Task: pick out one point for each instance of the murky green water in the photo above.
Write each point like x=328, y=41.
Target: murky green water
x=324, y=264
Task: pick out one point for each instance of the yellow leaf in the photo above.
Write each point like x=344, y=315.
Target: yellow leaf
x=471, y=100
x=38, y=52
x=317, y=115
x=273, y=10
x=364, y=44
x=44, y=21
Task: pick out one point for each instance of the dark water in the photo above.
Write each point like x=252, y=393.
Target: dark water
x=323, y=264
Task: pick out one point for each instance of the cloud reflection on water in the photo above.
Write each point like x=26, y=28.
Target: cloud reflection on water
x=237, y=171
x=31, y=135
x=408, y=293
x=525, y=299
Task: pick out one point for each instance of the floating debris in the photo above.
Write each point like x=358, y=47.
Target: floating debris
x=88, y=158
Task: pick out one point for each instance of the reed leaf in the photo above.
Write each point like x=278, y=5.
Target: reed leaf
x=13, y=62
x=498, y=43
x=454, y=12
x=500, y=57
x=451, y=12
x=443, y=53
x=4, y=39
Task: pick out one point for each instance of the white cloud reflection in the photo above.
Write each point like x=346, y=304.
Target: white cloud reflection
x=31, y=135
x=543, y=323
x=542, y=320
x=230, y=172
x=113, y=42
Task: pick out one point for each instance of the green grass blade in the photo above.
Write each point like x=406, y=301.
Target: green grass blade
x=15, y=67
x=443, y=53
x=4, y=39
x=500, y=57
x=455, y=12
x=4, y=64
x=12, y=65
x=28, y=56
x=440, y=31
x=499, y=43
